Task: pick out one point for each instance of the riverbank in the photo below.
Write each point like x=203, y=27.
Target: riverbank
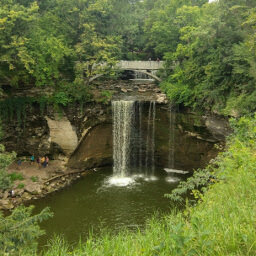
x=32, y=181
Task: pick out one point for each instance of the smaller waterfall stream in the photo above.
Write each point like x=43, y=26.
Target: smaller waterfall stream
x=171, y=137
x=172, y=123
x=150, y=152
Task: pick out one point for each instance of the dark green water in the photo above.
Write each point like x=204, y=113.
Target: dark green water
x=96, y=201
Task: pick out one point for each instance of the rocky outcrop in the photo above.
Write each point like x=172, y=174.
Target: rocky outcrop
x=95, y=148
x=63, y=134
x=218, y=126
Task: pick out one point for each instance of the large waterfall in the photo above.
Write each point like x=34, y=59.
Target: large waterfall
x=123, y=113
x=133, y=137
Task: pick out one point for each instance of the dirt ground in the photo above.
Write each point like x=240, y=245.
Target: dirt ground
x=29, y=170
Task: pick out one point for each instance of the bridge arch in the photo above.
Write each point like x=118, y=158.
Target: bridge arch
x=141, y=71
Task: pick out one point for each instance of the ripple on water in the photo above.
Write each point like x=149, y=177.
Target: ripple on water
x=172, y=179
x=127, y=181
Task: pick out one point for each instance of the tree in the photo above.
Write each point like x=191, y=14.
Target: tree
x=95, y=54
x=19, y=231
x=16, y=22
x=213, y=61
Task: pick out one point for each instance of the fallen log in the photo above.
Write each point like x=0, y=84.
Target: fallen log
x=64, y=174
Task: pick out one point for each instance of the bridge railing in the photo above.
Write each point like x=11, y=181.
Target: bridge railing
x=137, y=64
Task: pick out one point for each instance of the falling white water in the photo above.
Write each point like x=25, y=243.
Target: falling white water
x=170, y=170
x=171, y=137
x=150, y=146
x=141, y=135
x=153, y=139
x=133, y=140
x=123, y=112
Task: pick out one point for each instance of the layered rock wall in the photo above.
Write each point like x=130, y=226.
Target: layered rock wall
x=85, y=137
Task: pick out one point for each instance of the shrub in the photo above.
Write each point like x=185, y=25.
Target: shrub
x=5, y=160
x=106, y=96
x=21, y=185
x=34, y=179
x=5, y=181
x=20, y=230
x=16, y=176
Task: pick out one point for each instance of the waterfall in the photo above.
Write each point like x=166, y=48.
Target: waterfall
x=123, y=112
x=150, y=146
x=133, y=138
x=141, y=135
x=171, y=137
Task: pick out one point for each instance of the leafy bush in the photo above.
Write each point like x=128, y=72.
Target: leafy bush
x=16, y=176
x=61, y=98
x=20, y=230
x=34, y=179
x=21, y=185
x=5, y=160
x=106, y=96
x=5, y=181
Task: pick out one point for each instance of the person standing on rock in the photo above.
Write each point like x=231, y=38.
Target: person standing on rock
x=42, y=160
x=38, y=161
x=32, y=159
x=47, y=160
x=44, y=164
x=19, y=164
x=13, y=194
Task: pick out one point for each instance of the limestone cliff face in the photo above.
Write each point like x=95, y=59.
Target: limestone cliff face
x=95, y=149
x=63, y=134
x=53, y=133
x=85, y=137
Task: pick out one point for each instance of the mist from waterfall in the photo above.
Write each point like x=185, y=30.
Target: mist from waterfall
x=133, y=138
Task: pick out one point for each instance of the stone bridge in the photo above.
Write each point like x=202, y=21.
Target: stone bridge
x=146, y=67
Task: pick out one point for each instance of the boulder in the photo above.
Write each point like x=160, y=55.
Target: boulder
x=157, y=90
x=5, y=195
x=19, y=192
x=33, y=189
x=6, y=204
x=18, y=201
x=161, y=98
x=26, y=196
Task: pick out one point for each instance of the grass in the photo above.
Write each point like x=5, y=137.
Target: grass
x=16, y=176
x=34, y=179
x=21, y=185
x=223, y=222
